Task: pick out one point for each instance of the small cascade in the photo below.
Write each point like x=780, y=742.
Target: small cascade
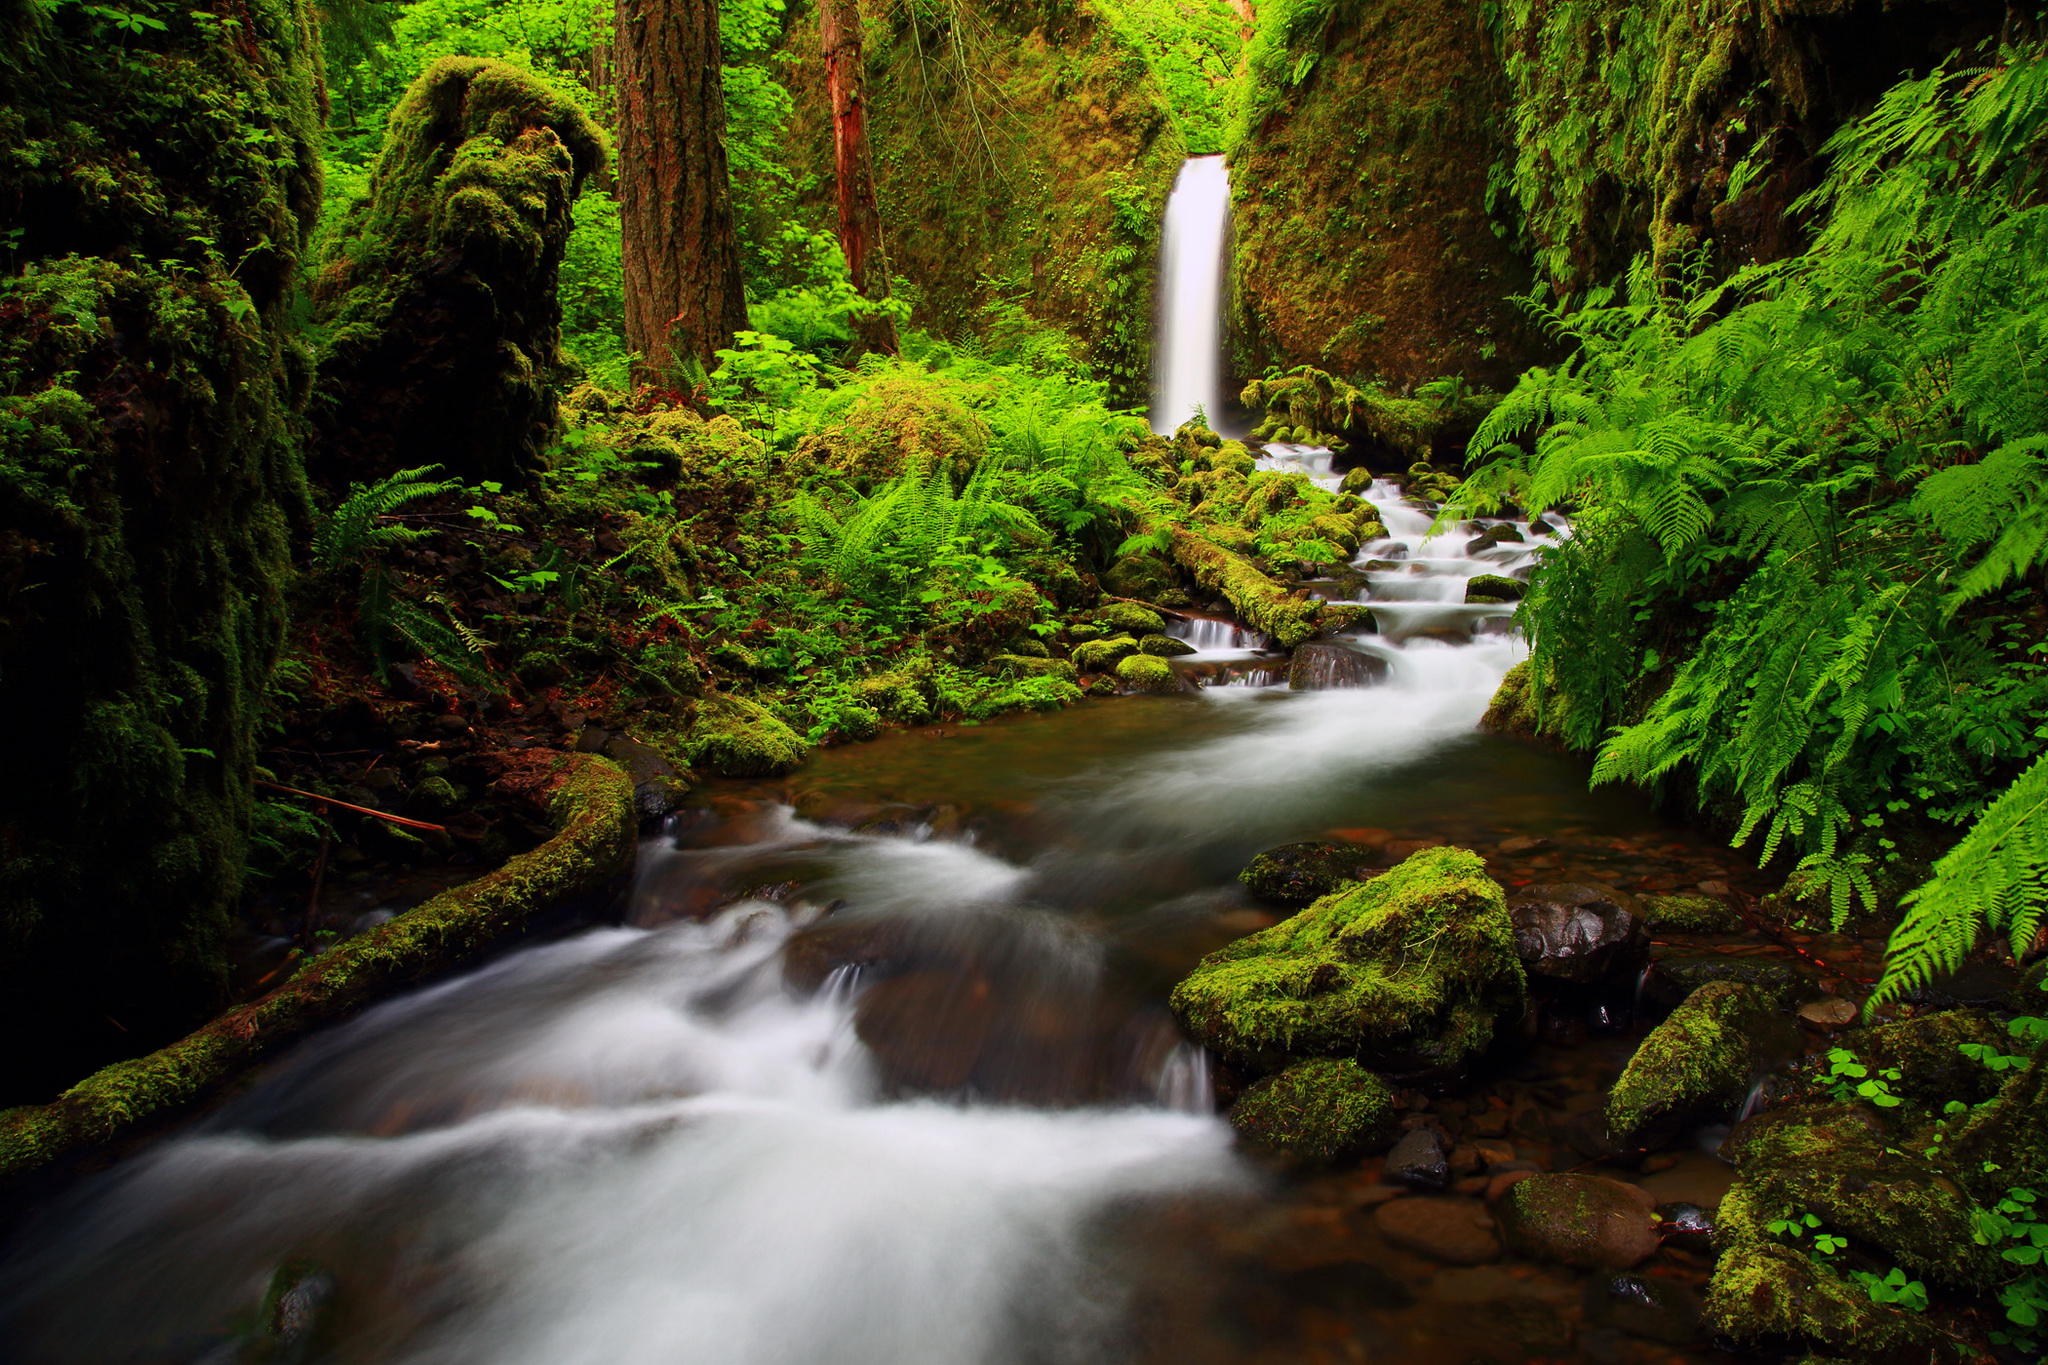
x=1183, y=1082
x=1188, y=366
x=1209, y=635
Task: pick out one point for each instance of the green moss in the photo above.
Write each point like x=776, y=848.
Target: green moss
x=439, y=293
x=1316, y=1112
x=1707, y=1052
x=1301, y=872
x=597, y=826
x=1145, y=673
x=1164, y=646
x=1030, y=666
x=1518, y=709
x=1492, y=587
x=921, y=424
x=1407, y=970
x=1099, y=656
x=1765, y=1293
x=1128, y=618
x=1690, y=915
x=1257, y=600
x=735, y=737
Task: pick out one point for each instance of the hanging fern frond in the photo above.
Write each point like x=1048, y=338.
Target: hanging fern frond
x=358, y=528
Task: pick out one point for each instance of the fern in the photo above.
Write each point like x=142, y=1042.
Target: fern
x=361, y=527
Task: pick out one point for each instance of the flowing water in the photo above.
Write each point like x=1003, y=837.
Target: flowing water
x=1188, y=369
x=877, y=1069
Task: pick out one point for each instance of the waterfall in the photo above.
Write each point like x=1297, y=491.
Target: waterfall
x=1188, y=365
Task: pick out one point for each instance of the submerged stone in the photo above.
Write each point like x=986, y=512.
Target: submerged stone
x=1406, y=972
x=1295, y=874
x=1453, y=1231
x=1315, y=1112
x=1706, y=1054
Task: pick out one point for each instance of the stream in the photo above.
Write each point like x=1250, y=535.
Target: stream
x=876, y=1067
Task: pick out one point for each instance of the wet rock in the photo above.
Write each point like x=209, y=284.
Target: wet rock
x=1316, y=1112
x=296, y=1304
x=1144, y=673
x=657, y=787
x=1830, y=1013
x=1418, y=1161
x=1653, y=1309
x=1705, y=1055
x=1927, y=1052
x=1675, y=975
x=1576, y=932
x=927, y=1027
x=1322, y=665
x=811, y=955
x=1129, y=618
x=1495, y=589
x=1687, y=1227
x=1164, y=646
x=1763, y=1293
x=1099, y=656
x=735, y=737
x=1454, y=1231
x=1408, y=972
x=1689, y=915
x=1357, y=480
x=1586, y=1221
x=1295, y=874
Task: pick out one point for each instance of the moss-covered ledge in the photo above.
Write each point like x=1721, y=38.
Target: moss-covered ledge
x=596, y=827
x=1258, y=601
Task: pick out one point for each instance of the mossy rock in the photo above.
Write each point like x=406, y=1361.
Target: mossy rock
x=1494, y=588
x=1164, y=647
x=1233, y=538
x=1141, y=575
x=1406, y=972
x=1769, y=1294
x=1295, y=874
x=1234, y=457
x=1358, y=480
x=1031, y=646
x=922, y=423
x=899, y=695
x=1516, y=710
x=1841, y=1164
x=1926, y=1050
x=1029, y=666
x=1690, y=915
x=1315, y=1113
x=1147, y=673
x=1587, y=1221
x=1338, y=530
x=1129, y=618
x=735, y=737
x=1099, y=656
x=1707, y=1053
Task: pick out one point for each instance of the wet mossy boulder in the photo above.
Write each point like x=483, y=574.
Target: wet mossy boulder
x=920, y=424
x=1407, y=972
x=1689, y=915
x=1706, y=1054
x=1765, y=1294
x=1235, y=457
x=1516, y=708
x=1129, y=618
x=1164, y=646
x=1099, y=656
x=735, y=737
x=1587, y=1221
x=1357, y=481
x=1146, y=673
x=1315, y=1113
x=1030, y=666
x=1140, y=575
x=1494, y=589
x=1295, y=874
x=439, y=295
x=1927, y=1052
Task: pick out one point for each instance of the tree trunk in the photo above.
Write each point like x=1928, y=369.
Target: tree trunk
x=860, y=218
x=680, y=258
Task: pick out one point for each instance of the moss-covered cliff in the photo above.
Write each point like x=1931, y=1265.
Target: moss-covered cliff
x=157, y=189
x=1023, y=155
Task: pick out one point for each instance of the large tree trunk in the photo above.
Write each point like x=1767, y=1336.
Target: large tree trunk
x=681, y=260
x=860, y=218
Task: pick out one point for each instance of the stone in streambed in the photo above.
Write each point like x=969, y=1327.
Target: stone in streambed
x=1316, y=1112
x=1494, y=589
x=1675, y=975
x=1164, y=646
x=1586, y=1221
x=1128, y=618
x=1295, y=874
x=1705, y=1055
x=1576, y=932
x=1418, y=1161
x=1144, y=673
x=1407, y=972
x=1453, y=1231
x=1322, y=665
x=927, y=1027
x=1689, y=915
x=1099, y=656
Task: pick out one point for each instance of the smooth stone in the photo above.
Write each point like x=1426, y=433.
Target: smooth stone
x=1418, y=1161
x=1454, y=1231
x=1576, y=932
x=927, y=1027
x=1587, y=1221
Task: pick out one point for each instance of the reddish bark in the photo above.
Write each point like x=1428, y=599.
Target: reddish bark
x=860, y=217
x=681, y=260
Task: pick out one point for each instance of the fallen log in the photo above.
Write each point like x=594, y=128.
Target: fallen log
x=596, y=828
x=1257, y=600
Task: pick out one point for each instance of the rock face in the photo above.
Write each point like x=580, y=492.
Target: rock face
x=1454, y=1231
x=1587, y=1221
x=1321, y=665
x=1707, y=1053
x=1316, y=1112
x=1576, y=932
x=1295, y=874
x=440, y=294
x=1406, y=972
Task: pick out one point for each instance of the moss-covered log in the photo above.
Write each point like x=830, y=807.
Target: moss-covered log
x=440, y=291
x=1258, y=601
x=156, y=193
x=596, y=826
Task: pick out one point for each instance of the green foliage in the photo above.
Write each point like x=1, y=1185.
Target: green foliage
x=1803, y=494
x=1192, y=47
x=1849, y=1079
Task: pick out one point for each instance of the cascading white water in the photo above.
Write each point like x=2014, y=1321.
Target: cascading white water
x=1187, y=367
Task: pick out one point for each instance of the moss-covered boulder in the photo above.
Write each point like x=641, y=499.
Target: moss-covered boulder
x=920, y=424
x=1707, y=1053
x=1579, y=1220
x=1494, y=589
x=1234, y=456
x=439, y=294
x=1147, y=673
x=1030, y=666
x=1164, y=646
x=1099, y=656
x=160, y=188
x=1316, y=1112
x=1689, y=915
x=1406, y=972
x=1766, y=1294
x=1520, y=708
x=735, y=737
x=1295, y=874
x=1129, y=618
